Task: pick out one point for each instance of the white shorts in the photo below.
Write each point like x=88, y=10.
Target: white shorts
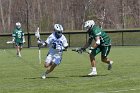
x=53, y=58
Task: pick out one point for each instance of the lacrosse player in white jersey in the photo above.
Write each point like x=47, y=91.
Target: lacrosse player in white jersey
x=57, y=43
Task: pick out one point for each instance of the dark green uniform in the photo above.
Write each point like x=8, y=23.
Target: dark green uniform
x=105, y=41
x=18, y=35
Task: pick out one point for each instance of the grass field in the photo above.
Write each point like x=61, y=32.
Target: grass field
x=22, y=75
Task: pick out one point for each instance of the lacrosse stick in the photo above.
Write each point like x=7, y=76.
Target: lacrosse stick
x=80, y=52
x=37, y=34
x=10, y=42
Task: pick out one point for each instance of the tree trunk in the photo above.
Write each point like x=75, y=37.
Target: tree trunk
x=2, y=17
x=9, y=16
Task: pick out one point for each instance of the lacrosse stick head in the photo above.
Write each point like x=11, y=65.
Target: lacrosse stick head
x=37, y=34
x=10, y=42
x=78, y=50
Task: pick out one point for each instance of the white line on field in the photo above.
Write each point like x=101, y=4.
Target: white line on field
x=117, y=91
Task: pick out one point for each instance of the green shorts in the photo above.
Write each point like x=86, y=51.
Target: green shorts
x=19, y=44
x=103, y=49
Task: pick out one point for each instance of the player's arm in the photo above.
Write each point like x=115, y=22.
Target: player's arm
x=23, y=37
x=13, y=36
x=87, y=44
x=65, y=44
x=97, y=42
x=65, y=47
x=41, y=42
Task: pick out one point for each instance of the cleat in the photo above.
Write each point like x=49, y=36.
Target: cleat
x=92, y=73
x=110, y=65
x=19, y=55
x=44, y=76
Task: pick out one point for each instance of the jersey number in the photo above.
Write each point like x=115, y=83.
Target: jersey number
x=19, y=35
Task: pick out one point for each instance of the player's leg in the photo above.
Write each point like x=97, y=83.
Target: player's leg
x=51, y=63
x=50, y=68
x=92, y=60
x=105, y=52
x=18, y=49
x=48, y=60
x=93, y=65
x=47, y=65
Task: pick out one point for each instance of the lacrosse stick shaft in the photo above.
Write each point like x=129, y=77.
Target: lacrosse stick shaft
x=76, y=50
x=37, y=34
x=39, y=54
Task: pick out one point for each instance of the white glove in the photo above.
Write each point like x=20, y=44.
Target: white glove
x=90, y=50
x=13, y=40
x=39, y=41
x=24, y=41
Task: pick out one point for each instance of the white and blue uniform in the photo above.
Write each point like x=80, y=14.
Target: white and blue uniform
x=56, y=46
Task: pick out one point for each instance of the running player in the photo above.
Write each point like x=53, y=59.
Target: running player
x=102, y=44
x=57, y=43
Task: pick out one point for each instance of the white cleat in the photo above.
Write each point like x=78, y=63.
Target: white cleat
x=19, y=55
x=44, y=76
x=92, y=73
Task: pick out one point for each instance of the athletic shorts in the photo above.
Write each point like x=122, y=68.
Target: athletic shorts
x=53, y=58
x=103, y=49
x=19, y=44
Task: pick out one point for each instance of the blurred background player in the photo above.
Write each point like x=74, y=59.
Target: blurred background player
x=18, y=38
x=100, y=42
x=57, y=43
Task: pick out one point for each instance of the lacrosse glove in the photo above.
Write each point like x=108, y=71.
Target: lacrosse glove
x=41, y=43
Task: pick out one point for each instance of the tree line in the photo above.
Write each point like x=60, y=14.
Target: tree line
x=109, y=14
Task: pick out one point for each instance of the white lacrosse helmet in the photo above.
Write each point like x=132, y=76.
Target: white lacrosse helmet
x=58, y=28
x=88, y=24
x=18, y=25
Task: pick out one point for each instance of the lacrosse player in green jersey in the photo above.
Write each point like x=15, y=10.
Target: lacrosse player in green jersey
x=99, y=42
x=18, y=38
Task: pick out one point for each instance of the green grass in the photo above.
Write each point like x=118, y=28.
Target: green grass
x=22, y=75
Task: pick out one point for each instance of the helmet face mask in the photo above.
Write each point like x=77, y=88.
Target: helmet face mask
x=89, y=24
x=58, y=29
x=59, y=33
x=18, y=25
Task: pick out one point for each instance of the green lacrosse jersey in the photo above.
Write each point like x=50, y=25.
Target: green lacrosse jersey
x=97, y=31
x=18, y=34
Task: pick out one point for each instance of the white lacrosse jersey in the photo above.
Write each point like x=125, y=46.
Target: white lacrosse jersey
x=60, y=43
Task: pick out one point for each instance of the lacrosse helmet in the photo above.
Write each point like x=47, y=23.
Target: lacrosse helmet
x=58, y=29
x=89, y=24
x=18, y=25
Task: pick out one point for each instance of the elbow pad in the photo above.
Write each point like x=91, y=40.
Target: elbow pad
x=98, y=42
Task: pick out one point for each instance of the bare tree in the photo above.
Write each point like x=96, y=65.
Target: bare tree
x=110, y=14
x=2, y=16
x=9, y=17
